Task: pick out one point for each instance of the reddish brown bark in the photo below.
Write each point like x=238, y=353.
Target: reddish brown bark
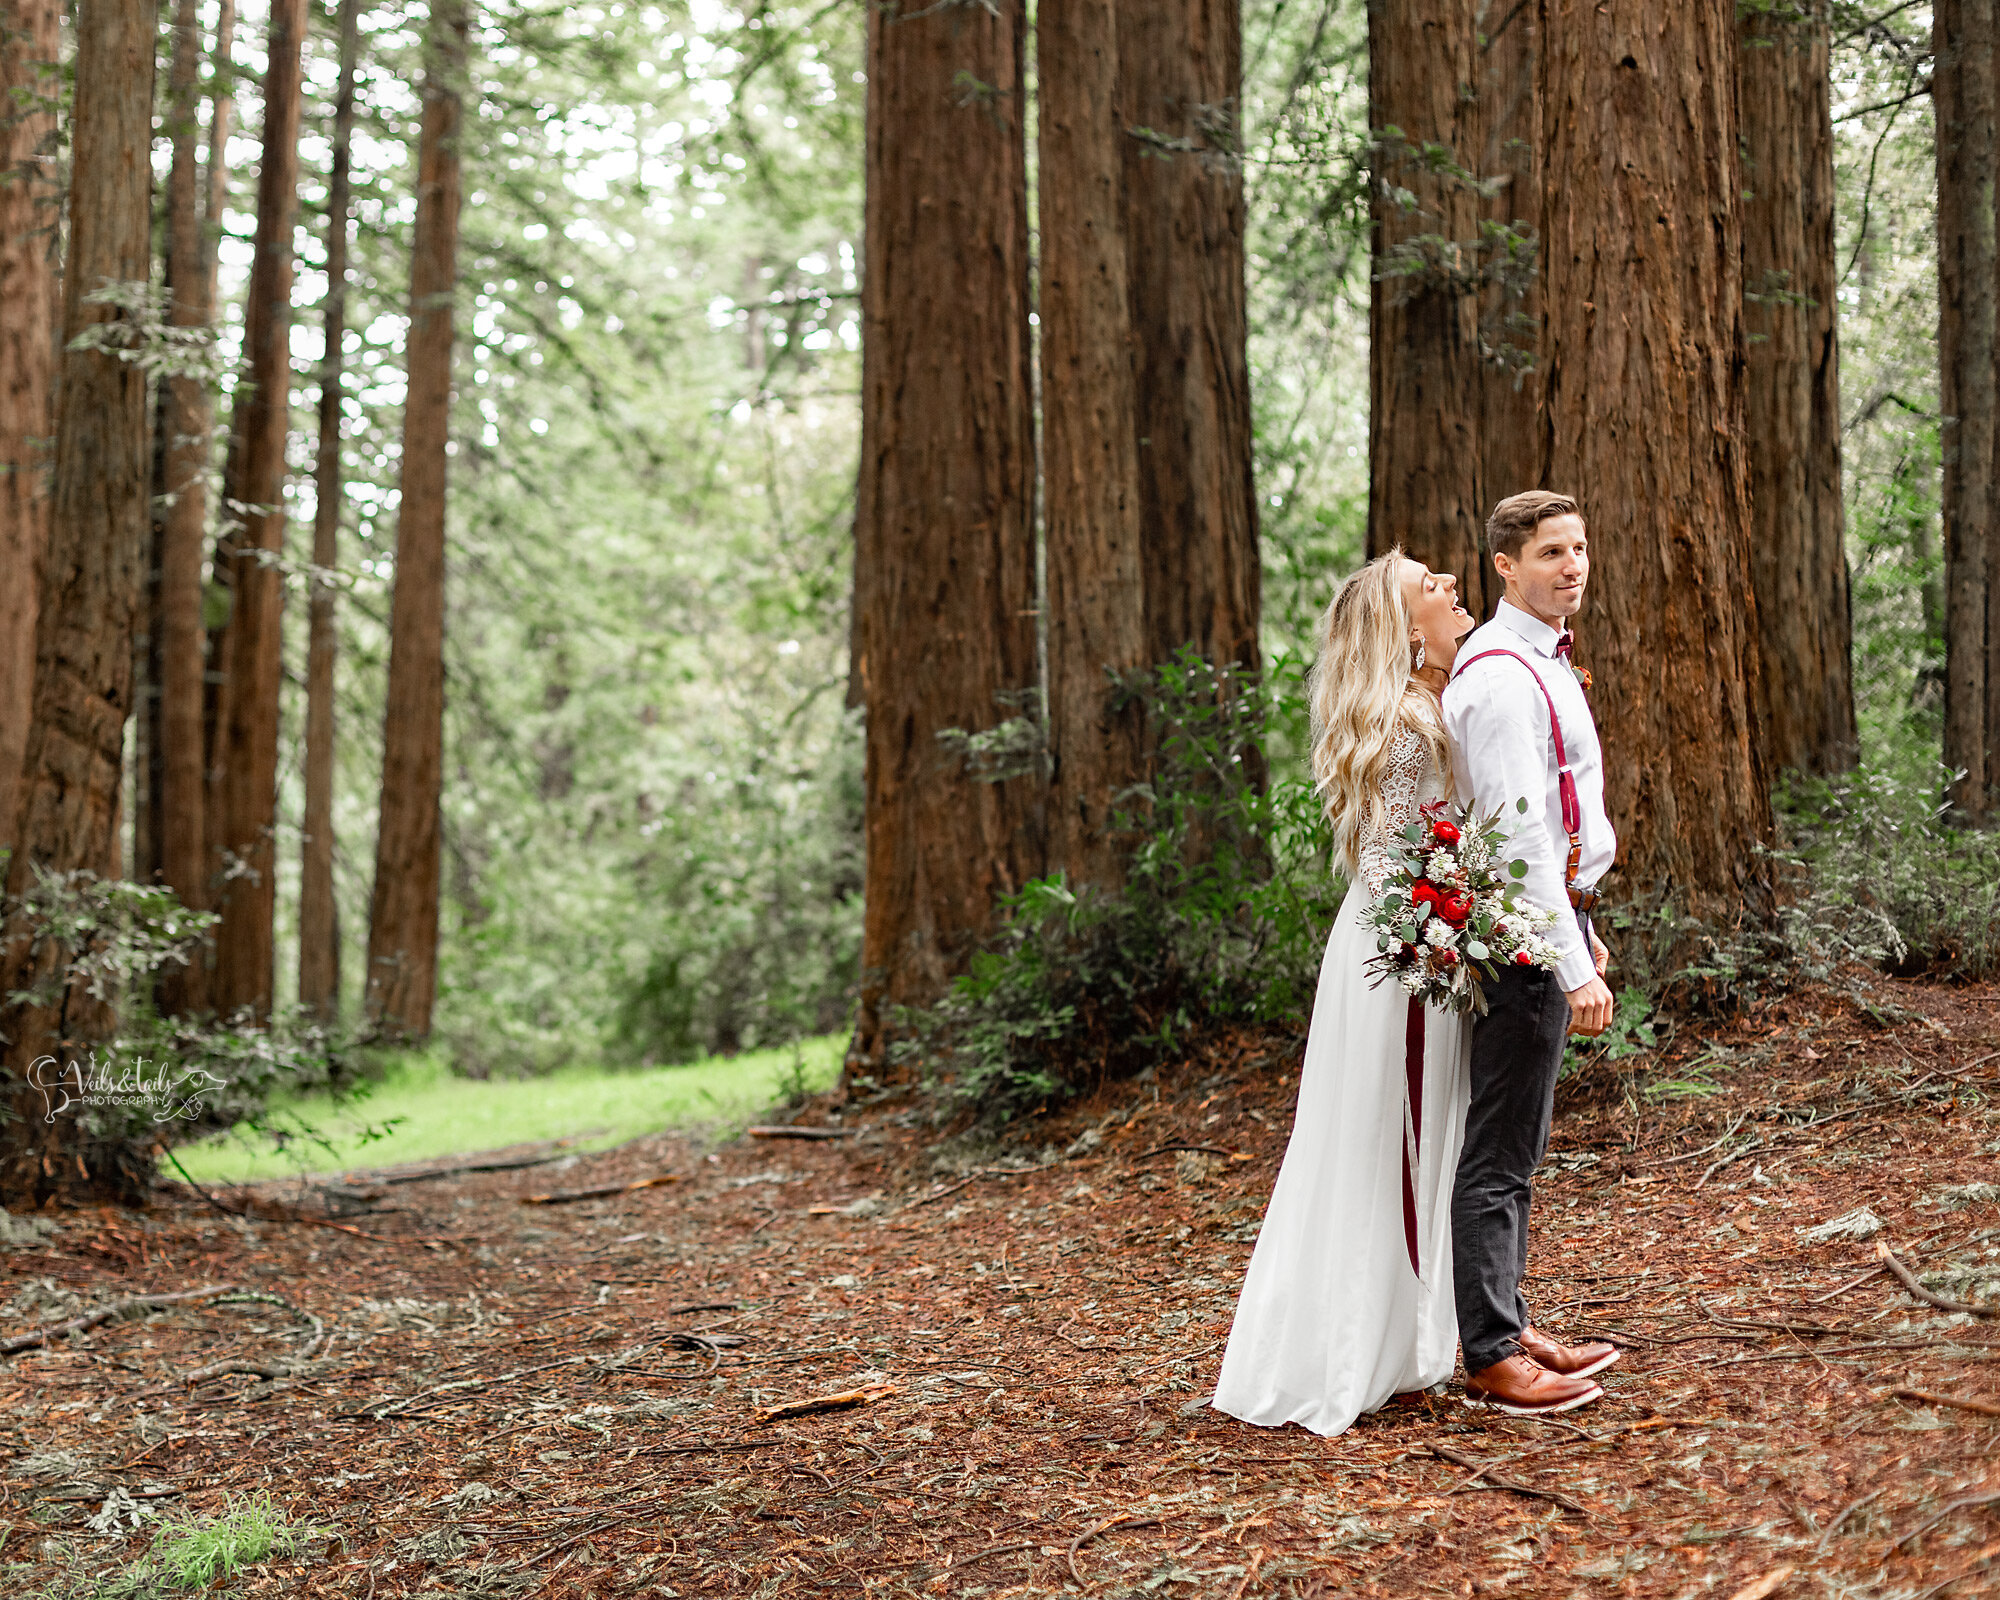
x=1644, y=395
x=1965, y=86
x=1792, y=391
x=1180, y=90
x=1454, y=308
x=403, y=920
x=174, y=773
x=1090, y=451
x=944, y=550
x=243, y=774
x=89, y=600
x=319, y=926
x=30, y=199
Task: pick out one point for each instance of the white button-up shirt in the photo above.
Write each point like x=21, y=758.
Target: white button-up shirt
x=1502, y=751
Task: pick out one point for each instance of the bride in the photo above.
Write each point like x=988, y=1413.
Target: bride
x=1348, y=1299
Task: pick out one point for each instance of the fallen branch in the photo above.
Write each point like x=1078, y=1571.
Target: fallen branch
x=1985, y=1408
x=1963, y=1503
x=1198, y=1149
x=787, y=1131
x=37, y=1337
x=560, y=1197
x=1481, y=1469
x=1908, y=1279
x=966, y=1183
x=844, y=1401
x=1852, y=1283
x=1124, y=1519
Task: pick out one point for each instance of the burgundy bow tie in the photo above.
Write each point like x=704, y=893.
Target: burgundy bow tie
x=1563, y=642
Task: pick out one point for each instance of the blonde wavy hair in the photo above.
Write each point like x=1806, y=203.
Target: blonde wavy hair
x=1362, y=692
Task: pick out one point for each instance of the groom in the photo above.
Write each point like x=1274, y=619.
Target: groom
x=1521, y=728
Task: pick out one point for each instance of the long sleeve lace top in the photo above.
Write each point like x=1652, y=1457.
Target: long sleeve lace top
x=1412, y=780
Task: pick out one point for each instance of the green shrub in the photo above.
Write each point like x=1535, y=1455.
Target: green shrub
x=1222, y=918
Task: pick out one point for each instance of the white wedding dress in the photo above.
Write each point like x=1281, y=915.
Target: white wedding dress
x=1334, y=1317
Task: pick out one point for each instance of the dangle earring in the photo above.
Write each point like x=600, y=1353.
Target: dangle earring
x=1417, y=661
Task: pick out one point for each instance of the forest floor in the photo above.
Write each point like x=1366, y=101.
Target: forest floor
x=484, y=1397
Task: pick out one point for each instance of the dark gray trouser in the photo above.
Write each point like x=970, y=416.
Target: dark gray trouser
x=1517, y=1050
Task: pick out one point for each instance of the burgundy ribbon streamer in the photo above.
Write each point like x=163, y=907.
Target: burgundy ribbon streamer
x=1413, y=1125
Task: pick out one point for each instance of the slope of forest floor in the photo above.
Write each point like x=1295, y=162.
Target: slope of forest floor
x=478, y=1396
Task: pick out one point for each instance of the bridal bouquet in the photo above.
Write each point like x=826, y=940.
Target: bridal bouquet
x=1449, y=912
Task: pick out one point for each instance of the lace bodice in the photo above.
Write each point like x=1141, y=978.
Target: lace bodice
x=1412, y=780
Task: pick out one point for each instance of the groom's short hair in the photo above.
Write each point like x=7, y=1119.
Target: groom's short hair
x=1515, y=519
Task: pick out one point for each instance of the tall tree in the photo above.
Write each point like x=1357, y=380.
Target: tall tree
x=403, y=919
x=243, y=767
x=1965, y=87
x=1181, y=79
x=944, y=562
x=1427, y=488
x=1090, y=449
x=1645, y=422
x=1454, y=116
x=89, y=600
x=173, y=778
x=29, y=202
x=319, y=927
x=1792, y=388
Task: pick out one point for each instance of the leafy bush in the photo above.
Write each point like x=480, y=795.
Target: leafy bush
x=1222, y=918
x=111, y=939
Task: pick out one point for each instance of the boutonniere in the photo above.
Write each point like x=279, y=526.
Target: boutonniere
x=1582, y=676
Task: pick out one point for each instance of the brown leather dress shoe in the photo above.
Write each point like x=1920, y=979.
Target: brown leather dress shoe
x=1571, y=1360
x=1522, y=1387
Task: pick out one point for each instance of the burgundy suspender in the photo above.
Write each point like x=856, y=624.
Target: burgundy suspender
x=1572, y=813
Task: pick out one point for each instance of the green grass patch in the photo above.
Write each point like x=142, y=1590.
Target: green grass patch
x=430, y=1112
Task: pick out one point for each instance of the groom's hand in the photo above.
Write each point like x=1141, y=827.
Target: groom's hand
x=1590, y=1008
x=1599, y=956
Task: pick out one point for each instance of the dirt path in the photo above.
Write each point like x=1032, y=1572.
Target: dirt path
x=559, y=1400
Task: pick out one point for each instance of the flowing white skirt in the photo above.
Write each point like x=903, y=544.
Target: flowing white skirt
x=1332, y=1321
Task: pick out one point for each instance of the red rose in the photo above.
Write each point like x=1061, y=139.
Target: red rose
x=1424, y=892
x=1445, y=832
x=1445, y=958
x=1523, y=959
x=1455, y=908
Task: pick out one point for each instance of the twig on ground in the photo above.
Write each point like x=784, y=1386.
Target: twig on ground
x=1249, y=1572
x=1843, y=1514
x=559, y=1197
x=1986, y=1408
x=1198, y=1149
x=1762, y=1588
x=846, y=1400
x=1962, y=1503
x=1484, y=1469
x=786, y=1131
x=37, y=1337
x=1852, y=1283
x=1943, y=1303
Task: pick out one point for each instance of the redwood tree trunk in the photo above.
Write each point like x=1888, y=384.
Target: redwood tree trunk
x=1426, y=489
x=1180, y=87
x=1644, y=394
x=1454, y=307
x=1967, y=95
x=186, y=419
x=89, y=602
x=403, y=920
x=319, y=926
x=1792, y=391
x=1511, y=139
x=30, y=201
x=944, y=563
x=244, y=775
x=1090, y=445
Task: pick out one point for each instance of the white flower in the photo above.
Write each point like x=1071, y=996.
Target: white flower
x=1440, y=933
x=1441, y=868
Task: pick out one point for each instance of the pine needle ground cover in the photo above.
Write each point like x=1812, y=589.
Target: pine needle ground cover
x=466, y=1395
